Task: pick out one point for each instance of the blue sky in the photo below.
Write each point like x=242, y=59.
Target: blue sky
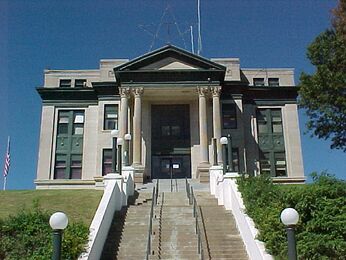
x=74, y=34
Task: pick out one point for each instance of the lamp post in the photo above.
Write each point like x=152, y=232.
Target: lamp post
x=289, y=217
x=120, y=143
x=215, y=151
x=224, y=141
x=114, y=134
x=58, y=221
x=127, y=147
x=230, y=159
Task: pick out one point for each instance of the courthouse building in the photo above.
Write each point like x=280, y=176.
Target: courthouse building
x=173, y=103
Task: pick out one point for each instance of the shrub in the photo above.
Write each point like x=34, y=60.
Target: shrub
x=321, y=231
x=28, y=235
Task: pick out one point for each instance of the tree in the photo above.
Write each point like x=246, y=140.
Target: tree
x=323, y=94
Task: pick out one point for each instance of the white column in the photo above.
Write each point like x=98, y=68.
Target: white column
x=203, y=130
x=124, y=103
x=137, y=126
x=217, y=120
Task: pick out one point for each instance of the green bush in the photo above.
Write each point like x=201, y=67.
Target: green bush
x=28, y=235
x=321, y=230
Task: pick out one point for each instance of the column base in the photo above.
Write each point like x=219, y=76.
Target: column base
x=138, y=176
x=203, y=172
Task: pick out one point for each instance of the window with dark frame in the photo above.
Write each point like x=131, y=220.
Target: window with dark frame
x=110, y=117
x=258, y=82
x=80, y=83
x=106, y=161
x=280, y=164
x=229, y=116
x=69, y=148
x=273, y=82
x=65, y=83
x=271, y=145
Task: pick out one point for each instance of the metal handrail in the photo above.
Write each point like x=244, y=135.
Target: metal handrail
x=187, y=186
x=198, y=229
x=150, y=229
x=157, y=191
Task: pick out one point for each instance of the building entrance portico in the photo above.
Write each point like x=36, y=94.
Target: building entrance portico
x=170, y=141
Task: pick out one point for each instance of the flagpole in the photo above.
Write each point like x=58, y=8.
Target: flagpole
x=5, y=180
x=7, y=162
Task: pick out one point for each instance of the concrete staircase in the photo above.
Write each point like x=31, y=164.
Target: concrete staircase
x=174, y=228
x=127, y=237
x=221, y=237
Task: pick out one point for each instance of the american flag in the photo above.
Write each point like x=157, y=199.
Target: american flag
x=7, y=159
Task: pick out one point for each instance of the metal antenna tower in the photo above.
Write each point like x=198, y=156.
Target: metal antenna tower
x=167, y=19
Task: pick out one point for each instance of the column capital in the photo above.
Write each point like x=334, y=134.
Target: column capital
x=215, y=91
x=124, y=92
x=202, y=91
x=137, y=91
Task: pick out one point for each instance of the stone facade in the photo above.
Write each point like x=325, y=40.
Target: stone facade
x=256, y=107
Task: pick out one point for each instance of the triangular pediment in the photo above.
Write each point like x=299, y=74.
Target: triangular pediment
x=170, y=58
x=169, y=65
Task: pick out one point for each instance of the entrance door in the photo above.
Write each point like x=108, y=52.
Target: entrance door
x=171, y=149
x=176, y=167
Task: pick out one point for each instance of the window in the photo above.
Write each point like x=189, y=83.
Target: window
x=273, y=82
x=262, y=122
x=80, y=83
x=280, y=164
x=78, y=123
x=106, y=161
x=258, y=82
x=273, y=163
x=65, y=83
x=167, y=130
x=265, y=163
x=269, y=121
x=76, y=166
x=229, y=116
x=271, y=142
x=276, y=121
x=110, y=117
x=69, y=145
x=60, y=167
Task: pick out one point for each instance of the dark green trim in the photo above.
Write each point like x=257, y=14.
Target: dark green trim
x=63, y=94
x=109, y=97
x=68, y=103
x=273, y=102
x=170, y=76
x=164, y=85
x=106, y=88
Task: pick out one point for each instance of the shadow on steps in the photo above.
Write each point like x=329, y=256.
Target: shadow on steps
x=112, y=243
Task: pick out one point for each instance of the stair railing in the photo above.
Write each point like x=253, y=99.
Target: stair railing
x=150, y=229
x=157, y=191
x=188, y=193
x=198, y=229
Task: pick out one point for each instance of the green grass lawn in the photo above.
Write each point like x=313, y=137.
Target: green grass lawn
x=79, y=205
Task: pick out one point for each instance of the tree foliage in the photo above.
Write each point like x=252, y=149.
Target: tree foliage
x=323, y=94
x=321, y=230
x=28, y=235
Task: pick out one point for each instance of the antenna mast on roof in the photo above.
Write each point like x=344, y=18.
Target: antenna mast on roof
x=191, y=34
x=167, y=19
x=199, y=48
